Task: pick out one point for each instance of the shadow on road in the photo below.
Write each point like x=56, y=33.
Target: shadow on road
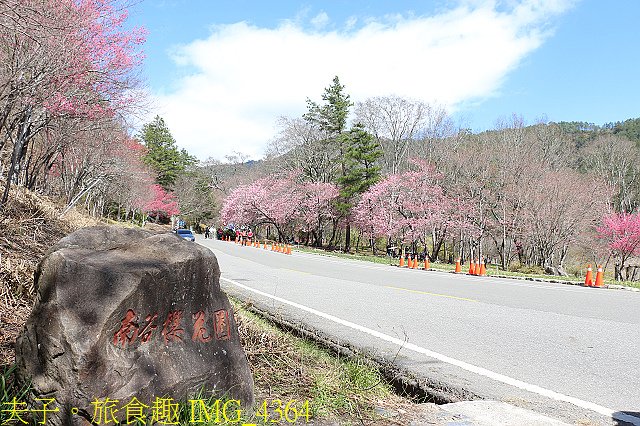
x=622, y=414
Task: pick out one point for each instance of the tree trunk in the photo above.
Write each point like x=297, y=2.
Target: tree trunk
x=16, y=156
x=436, y=248
x=372, y=242
x=347, y=238
x=334, y=229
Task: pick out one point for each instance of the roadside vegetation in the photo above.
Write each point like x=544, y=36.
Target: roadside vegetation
x=349, y=390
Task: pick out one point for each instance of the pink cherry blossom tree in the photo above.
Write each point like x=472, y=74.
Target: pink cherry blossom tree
x=622, y=233
x=62, y=60
x=162, y=205
x=271, y=201
x=316, y=207
x=412, y=207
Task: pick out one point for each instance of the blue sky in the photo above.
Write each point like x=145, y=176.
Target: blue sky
x=221, y=72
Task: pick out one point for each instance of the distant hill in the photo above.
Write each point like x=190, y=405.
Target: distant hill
x=583, y=131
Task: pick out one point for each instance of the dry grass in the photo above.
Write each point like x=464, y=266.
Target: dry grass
x=351, y=391
x=29, y=226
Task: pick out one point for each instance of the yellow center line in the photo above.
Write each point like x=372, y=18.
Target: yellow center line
x=430, y=294
x=293, y=270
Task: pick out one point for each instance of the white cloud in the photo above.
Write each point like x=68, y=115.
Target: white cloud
x=320, y=20
x=244, y=77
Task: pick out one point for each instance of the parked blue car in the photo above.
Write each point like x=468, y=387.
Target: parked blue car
x=186, y=234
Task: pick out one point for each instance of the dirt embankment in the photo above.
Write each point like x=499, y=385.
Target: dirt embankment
x=29, y=225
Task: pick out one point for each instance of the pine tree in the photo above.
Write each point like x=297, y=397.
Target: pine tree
x=361, y=154
x=331, y=117
x=162, y=154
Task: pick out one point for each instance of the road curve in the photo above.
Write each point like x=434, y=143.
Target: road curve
x=567, y=352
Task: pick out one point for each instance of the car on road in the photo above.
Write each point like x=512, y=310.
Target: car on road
x=186, y=234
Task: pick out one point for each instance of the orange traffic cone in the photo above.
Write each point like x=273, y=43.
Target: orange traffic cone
x=599, y=277
x=477, y=272
x=458, y=267
x=472, y=267
x=401, y=264
x=264, y=247
x=288, y=249
x=415, y=262
x=588, y=280
x=483, y=270
x=427, y=266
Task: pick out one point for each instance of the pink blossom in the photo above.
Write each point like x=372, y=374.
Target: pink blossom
x=622, y=232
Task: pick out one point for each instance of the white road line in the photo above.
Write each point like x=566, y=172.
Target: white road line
x=446, y=359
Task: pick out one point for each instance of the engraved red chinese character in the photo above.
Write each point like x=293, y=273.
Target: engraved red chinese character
x=145, y=333
x=200, y=333
x=171, y=329
x=128, y=330
x=221, y=324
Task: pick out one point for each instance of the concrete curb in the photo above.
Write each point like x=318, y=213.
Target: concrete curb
x=496, y=413
x=447, y=406
x=422, y=389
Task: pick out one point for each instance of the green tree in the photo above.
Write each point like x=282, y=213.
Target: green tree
x=163, y=156
x=360, y=158
x=630, y=129
x=332, y=115
x=361, y=153
x=331, y=118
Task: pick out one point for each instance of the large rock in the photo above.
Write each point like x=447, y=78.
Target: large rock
x=123, y=313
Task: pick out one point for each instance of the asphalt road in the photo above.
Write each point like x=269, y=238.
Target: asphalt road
x=569, y=352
